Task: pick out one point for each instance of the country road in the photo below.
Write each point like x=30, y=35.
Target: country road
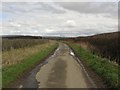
x=63, y=71
x=60, y=70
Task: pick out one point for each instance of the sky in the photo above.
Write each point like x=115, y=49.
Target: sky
x=65, y=19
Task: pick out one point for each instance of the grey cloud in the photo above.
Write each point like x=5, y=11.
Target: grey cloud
x=57, y=20
x=91, y=7
x=25, y=7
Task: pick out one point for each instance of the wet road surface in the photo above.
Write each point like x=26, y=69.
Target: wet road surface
x=63, y=71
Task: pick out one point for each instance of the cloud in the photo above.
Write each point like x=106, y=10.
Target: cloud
x=15, y=24
x=70, y=23
x=41, y=7
x=58, y=19
x=60, y=1
x=91, y=7
x=49, y=30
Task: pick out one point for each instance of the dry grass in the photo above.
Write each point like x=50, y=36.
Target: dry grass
x=13, y=72
x=9, y=44
x=15, y=56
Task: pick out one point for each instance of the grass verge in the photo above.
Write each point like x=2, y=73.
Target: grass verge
x=13, y=72
x=101, y=66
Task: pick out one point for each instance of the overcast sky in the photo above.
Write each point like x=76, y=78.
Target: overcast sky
x=58, y=18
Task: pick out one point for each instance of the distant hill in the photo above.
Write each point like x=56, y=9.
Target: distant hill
x=21, y=37
x=100, y=36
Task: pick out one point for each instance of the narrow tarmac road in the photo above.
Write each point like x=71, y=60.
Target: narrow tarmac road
x=63, y=71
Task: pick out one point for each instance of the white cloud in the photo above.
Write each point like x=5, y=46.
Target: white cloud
x=70, y=23
x=51, y=19
x=14, y=24
x=49, y=30
x=60, y=0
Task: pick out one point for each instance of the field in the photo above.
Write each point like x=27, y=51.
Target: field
x=18, y=60
x=13, y=56
x=104, y=45
x=9, y=44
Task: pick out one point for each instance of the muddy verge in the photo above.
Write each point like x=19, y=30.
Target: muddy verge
x=29, y=75
x=99, y=82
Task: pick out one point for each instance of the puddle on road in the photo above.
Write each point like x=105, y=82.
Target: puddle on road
x=59, y=71
x=71, y=53
x=30, y=81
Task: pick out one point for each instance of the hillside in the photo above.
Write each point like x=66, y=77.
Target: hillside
x=105, y=45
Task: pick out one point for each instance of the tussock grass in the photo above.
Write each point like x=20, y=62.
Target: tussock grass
x=105, y=69
x=15, y=56
x=9, y=44
x=14, y=71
